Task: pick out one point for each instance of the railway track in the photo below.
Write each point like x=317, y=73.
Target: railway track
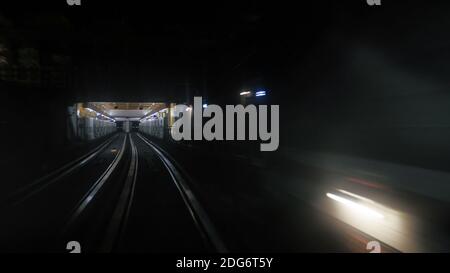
x=89, y=201
x=204, y=225
x=23, y=193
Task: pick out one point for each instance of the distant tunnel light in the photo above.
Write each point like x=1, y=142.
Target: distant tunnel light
x=260, y=93
x=245, y=93
x=355, y=206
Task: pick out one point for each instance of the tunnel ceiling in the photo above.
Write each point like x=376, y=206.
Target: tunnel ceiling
x=162, y=53
x=172, y=52
x=127, y=109
x=106, y=106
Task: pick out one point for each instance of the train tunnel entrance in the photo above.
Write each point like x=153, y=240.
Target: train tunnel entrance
x=92, y=120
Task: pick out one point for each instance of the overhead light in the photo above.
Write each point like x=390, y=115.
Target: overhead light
x=205, y=105
x=260, y=93
x=245, y=93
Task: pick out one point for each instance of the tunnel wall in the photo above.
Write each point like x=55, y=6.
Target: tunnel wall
x=92, y=128
x=155, y=127
x=371, y=104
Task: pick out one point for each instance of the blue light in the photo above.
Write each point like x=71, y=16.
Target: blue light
x=260, y=93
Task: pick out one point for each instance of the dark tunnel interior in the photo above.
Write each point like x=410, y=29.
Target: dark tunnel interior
x=117, y=115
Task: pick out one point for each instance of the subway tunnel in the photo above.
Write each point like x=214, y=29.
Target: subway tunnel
x=225, y=128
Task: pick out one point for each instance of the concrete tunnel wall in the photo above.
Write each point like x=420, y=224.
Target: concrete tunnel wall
x=372, y=105
x=91, y=128
x=155, y=127
x=87, y=128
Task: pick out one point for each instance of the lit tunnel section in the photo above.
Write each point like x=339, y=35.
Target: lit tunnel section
x=90, y=123
x=93, y=120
